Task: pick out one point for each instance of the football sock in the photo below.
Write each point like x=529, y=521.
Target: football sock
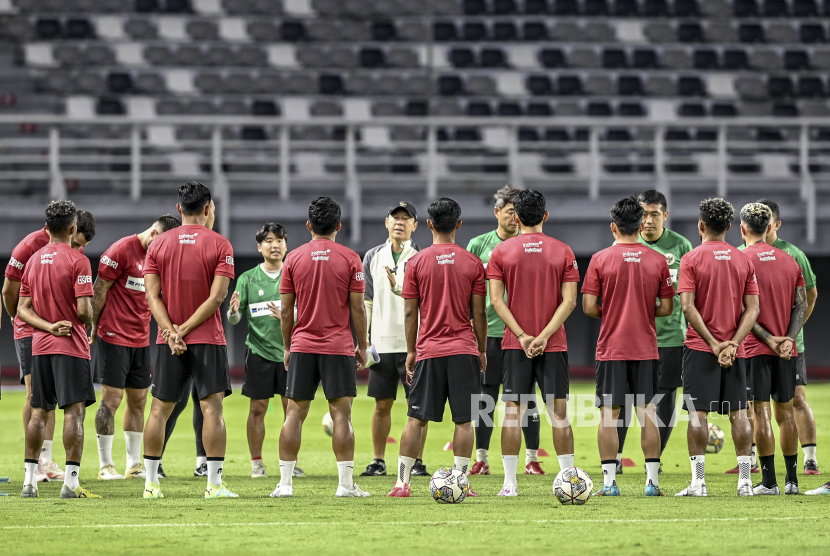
x=481, y=455
x=404, y=469
x=768, y=471
x=744, y=469
x=31, y=472
x=214, y=475
x=287, y=472
x=46, y=451
x=345, y=470
x=753, y=454
x=791, y=462
x=73, y=469
x=698, y=470
x=609, y=472
x=105, y=449
x=653, y=471
x=619, y=456
x=510, y=465
x=254, y=460
x=134, y=441
x=566, y=461
x=200, y=460
x=809, y=451
x=462, y=464
x=531, y=455
x=531, y=430
x=151, y=465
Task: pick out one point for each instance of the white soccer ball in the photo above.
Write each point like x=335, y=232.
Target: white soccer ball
x=449, y=486
x=328, y=424
x=716, y=440
x=573, y=486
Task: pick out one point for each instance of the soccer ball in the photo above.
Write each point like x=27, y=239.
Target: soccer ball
x=328, y=424
x=716, y=440
x=573, y=486
x=449, y=486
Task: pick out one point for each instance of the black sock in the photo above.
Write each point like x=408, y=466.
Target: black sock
x=791, y=462
x=767, y=464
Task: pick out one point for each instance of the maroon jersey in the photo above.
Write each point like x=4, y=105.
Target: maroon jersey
x=322, y=274
x=125, y=320
x=533, y=268
x=629, y=277
x=186, y=260
x=444, y=277
x=720, y=276
x=14, y=271
x=56, y=276
x=778, y=275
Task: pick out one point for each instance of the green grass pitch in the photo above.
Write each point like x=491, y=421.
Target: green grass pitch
x=314, y=521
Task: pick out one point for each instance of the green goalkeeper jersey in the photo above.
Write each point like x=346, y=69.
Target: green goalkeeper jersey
x=482, y=246
x=256, y=289
x=806, y=270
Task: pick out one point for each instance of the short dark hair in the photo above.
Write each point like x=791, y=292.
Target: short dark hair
x=756, y=216
x=530, y=207
x=653, y=197
x=504, y=196
x=324, y=215
x=86, y=224
x=717, y=214
x=60, y=215
x=271, y=228
x=445, y=214
x=168, y=222
x=193, y=197
x=627, y=214
x=772, y=206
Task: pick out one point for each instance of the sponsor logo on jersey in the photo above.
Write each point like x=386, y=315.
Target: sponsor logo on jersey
x=632, y=256
x=16, y=264
x=109, y=262
x=261, y=293
x=262, y=310
x=576, y=267
x=84, y=279
x=320, y=255
x=673, y=272
x=47, y=258
x=766, y=255
x=723, y=255
x=229, y=260
x=188, y=239
x=133, y=283
x=358, y=276
x=670, y=258
x=446, y=259
x=533, y=247
x=669, y=281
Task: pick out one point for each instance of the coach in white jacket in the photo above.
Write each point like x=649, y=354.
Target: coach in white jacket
x=383, y=267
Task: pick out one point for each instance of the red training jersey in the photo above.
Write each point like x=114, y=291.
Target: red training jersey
x=629, y=277
x=186, y=260
x=720, y=276
x=322, y=274
x=56, y=277
x=778, y=276
x=444, y=277
x=531, y=265
x=125, y=320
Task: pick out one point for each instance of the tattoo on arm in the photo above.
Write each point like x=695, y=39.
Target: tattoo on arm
x=99, y=298
x=798, y=313
x=104, y=421
x=760, y=333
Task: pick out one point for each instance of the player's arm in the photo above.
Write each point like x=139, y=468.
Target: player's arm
x=84, y=309
x=479, y=308
x=152, y=292
x=590, y=306
x=561, y=314
x=99, y=300
x=218, y=292
x=665, y=308
x=30, y=317
x=360, y=327
x=798, y=315
x=410, y=323
x=693, y=317
x=812, y=295
x=11, y=296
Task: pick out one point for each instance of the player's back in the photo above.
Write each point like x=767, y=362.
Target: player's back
x=126, y=316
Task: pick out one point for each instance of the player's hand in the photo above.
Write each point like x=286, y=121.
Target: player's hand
x=276, y=312
x=93, y=335
x=286, y=354
x=482, y=360
x=727, y=353
x=390, y=276
x=235, y=303
x=61, y=328
x=360, y=357
x=537, y=346
x=525, y=342
x=786, y=348
x=410, y=366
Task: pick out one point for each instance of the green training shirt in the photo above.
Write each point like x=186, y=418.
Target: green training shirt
x=806, y=270
x=256, y=289
x=482, y=246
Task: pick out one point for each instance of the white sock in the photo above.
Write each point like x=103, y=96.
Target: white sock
x=481, y=455
x=531, y=455
x=287, y=472
x=214, y=475
x=72, y=473
x=744, y=470
x=462, y=464
x=609, y=473
x=200, y=460
x=619, y=456
x=133, y=441
x=754, y=456
x=46, y=451
x=653, y=471
x=404, y=470
x=698, y=470
x=565, y=461
x=809, y=452
x=510, y=465
x=152, y=470
x=31, y=474
x=105, y=449
x=345, y=470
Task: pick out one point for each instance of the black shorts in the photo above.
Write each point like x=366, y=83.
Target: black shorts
x=121, y=366
x=385, y=375
x=61, y=380
x=711, y=388
x=494, y=374
x=264, y=378
x=616, y=379
x=23, y=348
x=455, y=378
x=207, y=364
x=307, y=370
x=770, y=376
x=670, y=368
x=800, y=370
x=549, y=370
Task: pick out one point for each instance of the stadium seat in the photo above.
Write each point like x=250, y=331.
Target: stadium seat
x=48, y=28
x=534, y=31
x=371, y=57
x=645, y=59
x=251, y=55
x=474, y=7
x=613, y=58
x=776, y=8
x=691, y=110
x=599, y=85
x=766, y=59
x=780, y=87
x=79, y=28
x=292, y=31
x=750, y=87
x=416, y=108
x=595, y=7
x=805, y=8
x=690, y=32
x=323, y=108
x=536, y=108
x=145, y=6
x=202, y=30
x=720, y=109
x=504, y=31
x=569, y=85
x=810, y=87
x=509, y=108
x=386, y=109
x=686, y=8
x=626, y=8
x=330, y=84
x=149, y=83
x=220, y=55
x=401, y=57
x=99, y=55
x=109, y=106
x=785, y=110
x=493, y=58
x=796, y=60
x=597, y=30
x=655, y=8
x=505, y=7
x=630, y=85
x=735, y=59
x=361, y=84
x=536, y=7
x=580, y=57
x=474, y=31
x=449, y=85
x=479, y=108
x=482, y=85
x=389, y=85
x=705, y=59
x=209, y=82
x=119, y=82
x=676, y=58
x=444, y=31
x=810, y=33
x=617, y=134
x=462, y=57
x=706, y=134
x=688, y=86
x=598, y=108
x=177, y=6
x=751, y=33
x=781, y=32
x=631, y=109
x=566, y=7
x=233, y=107
x=383, y=31
x=538, y=85
x=239, y=83
x=528, y=134
x=675, y=134
x=745, y=8
x=552, y=58
x=659, y=32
